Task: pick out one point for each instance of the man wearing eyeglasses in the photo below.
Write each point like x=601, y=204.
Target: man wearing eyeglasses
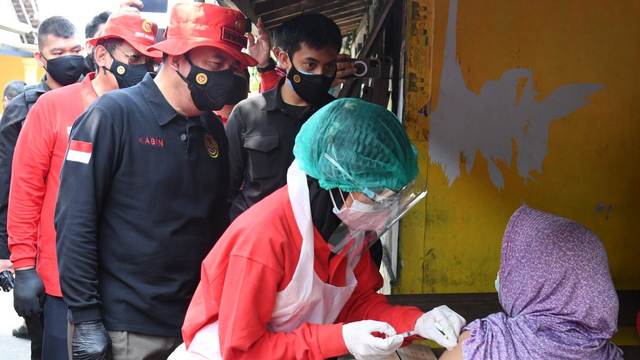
x=143, y=191
x=122, y=60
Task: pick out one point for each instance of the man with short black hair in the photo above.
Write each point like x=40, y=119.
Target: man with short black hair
x=11, y=90
x=143, y=191
x=59, y=53
x=262, y=129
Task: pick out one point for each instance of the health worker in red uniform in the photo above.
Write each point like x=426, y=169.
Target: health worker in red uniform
x=292, y=277
x=121, y=61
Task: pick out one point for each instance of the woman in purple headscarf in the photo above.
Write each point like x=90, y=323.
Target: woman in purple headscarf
x=556, y=290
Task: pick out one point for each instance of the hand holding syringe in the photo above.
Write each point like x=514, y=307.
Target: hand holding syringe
x=413, y=332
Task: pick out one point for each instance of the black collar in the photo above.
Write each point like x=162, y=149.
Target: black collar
x=42, y=87
x=160, y=108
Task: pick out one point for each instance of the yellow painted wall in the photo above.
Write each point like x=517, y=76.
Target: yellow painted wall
x=19, y=68
x=591, y=171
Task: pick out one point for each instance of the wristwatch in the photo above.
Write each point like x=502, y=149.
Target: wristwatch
x=271, y=66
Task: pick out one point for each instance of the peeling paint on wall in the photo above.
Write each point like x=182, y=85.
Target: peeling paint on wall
x=465, y=123
x=592, y=152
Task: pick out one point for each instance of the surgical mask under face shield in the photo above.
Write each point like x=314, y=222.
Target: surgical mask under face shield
x=371, y=214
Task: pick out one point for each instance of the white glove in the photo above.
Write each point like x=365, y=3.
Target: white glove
x=364, y=346
x=441, y=325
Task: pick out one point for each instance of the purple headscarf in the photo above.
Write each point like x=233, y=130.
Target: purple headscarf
x=556, y=291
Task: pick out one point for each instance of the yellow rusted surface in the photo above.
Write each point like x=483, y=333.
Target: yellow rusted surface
x=590, y=171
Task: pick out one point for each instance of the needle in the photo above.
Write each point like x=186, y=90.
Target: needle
x=408, y=333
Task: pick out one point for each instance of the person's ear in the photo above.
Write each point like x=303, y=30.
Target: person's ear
x=100, y=56
x=39, y=59
x=283, y=60
x=173, y=61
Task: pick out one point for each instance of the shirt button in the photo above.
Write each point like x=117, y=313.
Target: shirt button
x=183, y=137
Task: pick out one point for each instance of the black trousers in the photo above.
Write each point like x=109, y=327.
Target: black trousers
x=34, y=328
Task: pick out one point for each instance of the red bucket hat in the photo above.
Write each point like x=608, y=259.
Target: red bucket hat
x=201, y=24
x=132, y=28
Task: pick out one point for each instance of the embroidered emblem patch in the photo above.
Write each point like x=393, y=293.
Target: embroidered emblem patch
x=147, y=26
x=239, y=25
x=211, y=145
x=201, y=79
x=237, y=38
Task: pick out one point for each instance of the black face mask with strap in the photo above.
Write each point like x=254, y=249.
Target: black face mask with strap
x=65, y=70
x=127, y=75
x=239, y=90
x=209, y=89
x=309, y=87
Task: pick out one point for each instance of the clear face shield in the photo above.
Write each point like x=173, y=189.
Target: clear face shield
x=369, y=214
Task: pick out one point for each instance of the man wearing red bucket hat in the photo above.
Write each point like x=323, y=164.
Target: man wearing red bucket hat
x=143, y=191
x=121, y=58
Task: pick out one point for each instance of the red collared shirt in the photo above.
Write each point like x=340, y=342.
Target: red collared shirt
x=37, y=160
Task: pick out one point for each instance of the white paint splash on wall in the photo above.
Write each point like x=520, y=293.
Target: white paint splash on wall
x=465, y=122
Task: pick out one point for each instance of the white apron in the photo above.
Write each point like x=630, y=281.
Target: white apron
x=306, y=299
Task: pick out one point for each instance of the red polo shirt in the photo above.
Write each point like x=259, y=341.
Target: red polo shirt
x=35, y=178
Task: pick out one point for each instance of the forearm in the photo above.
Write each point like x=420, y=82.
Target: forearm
x=367, y=304
x=9, y=131
x=309, y=341
x=31, y=164
x=83, y=186
x=245, y=311
x=77, y=252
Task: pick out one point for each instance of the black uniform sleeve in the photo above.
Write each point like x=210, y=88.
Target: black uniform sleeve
x=10, y=127
x=84, y=185
x=237, y=152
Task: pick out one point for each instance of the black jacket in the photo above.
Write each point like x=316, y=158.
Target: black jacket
x=262, y=134
x=142, y=200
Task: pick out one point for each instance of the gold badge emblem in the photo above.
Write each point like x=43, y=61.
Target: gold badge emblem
x=147, y=26
x=120, y=70
x=201, y=79
x=239, y=25
x=211, y=145
x=296, y=78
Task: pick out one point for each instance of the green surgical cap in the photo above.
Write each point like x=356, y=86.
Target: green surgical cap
x=366, y=140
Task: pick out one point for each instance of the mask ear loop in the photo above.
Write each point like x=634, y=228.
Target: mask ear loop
x=186, y=56
x=335, y=206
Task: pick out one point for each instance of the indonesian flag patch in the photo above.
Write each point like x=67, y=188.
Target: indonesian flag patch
x=79, y=151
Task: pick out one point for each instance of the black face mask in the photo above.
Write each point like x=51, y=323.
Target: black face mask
x=65, y=70
x=209, y=89
x=238, y=91
x=127, y=75
x=311, y=88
